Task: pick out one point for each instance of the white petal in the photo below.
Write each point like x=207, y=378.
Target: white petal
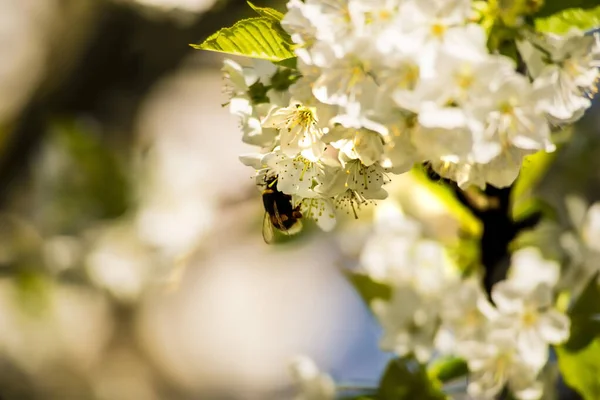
x=321, y=210
x=554, y=327
x=252, y=160
x=532, y=348
x=508, y=297
x=529, y=268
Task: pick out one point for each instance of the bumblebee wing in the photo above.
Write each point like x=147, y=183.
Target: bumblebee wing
x=280, y=224
x=267, y=229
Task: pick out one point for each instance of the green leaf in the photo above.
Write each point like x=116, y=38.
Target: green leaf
x=468, y=222
x=260, y=37
x=466, y=253
x=94, y=185
x=405, y=379
x=289, y=63
x=585, y=325
x=447, y=369
x=552, y=7
x=523, y=202
x=563, y=21
x=267, y=12
x=581, y=370
x=511, y=12
x=368, y=288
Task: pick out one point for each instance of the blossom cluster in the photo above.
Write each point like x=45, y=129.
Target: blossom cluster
x=384, y=84
x=435, y=311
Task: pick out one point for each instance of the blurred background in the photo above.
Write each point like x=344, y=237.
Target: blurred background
x=132, y=264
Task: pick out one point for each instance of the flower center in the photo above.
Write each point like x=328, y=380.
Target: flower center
x=472, y=319
x=507, y=107
x=304, y=116
x=465, y=77
x=530, y=318
x=409, y=77
x=306, y=164
x=438, y=30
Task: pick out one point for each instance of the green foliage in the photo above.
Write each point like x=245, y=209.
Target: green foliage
x=368, y=288
x=552, y=7
x=510, y=12
x=562, y=21
x=94, y=185
x=283, y=79
x=258, y=93
x=267, y=12
x=447, y=369
x=523, y=201
x=291, y=63
x=501, y=39
x=466, y=253
x=32, y=291
x=581, y=369
x=405, y=379
x=584, y=314
x=260, y=37
x=468, y=222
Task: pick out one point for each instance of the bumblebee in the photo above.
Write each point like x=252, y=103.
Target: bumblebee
x=280, y=213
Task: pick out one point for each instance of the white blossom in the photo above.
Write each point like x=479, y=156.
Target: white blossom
x=347, y=77
x=299, y=131
x=465, y=314
x=408, y=321
x=567, y=67
x=362, y=144
x=295, y=175
x=335, y=19
x=297, y=23
x=399, y=150
x=311, y=383
x=321, y=210
x=509, y=117
x=443, y=133
x=243, y=105
x=525, y=304
x=495, y=363
x=354, y=183
x=582, y=243
x=382, y=85
x=430, y=25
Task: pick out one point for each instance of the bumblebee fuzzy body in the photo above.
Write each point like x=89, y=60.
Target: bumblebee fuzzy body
x=280, y=213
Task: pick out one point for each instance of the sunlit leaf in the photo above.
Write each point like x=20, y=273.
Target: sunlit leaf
x=368, y=288
x=288, y=62
x=511, y=12
x=551, y=7
x=522, y=199
x=563, y=21
x=447, y=368
x=581, y=369
x=585, y=324
x=468, y=222
x=466, y=253
x=267, y=12
x=405, y=379
x=260, y=37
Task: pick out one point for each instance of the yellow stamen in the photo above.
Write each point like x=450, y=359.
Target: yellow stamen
x=438, y=29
